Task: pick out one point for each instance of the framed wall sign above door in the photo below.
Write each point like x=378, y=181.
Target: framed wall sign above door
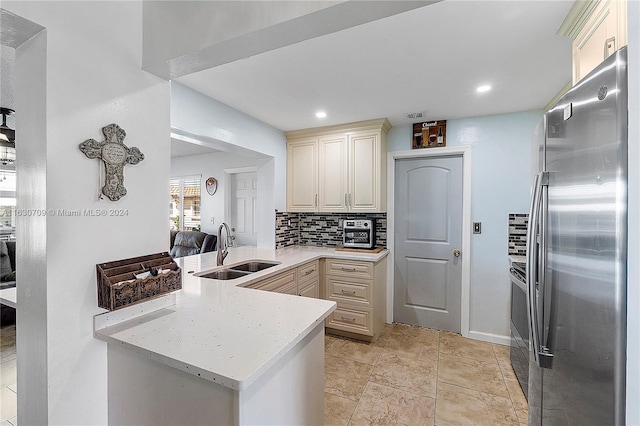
x=429, y=134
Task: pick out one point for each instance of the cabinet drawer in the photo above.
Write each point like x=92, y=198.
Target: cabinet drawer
x=308, y=270
x=275, y=283
x=353, y=320
x=349, y=291
x=349, y=268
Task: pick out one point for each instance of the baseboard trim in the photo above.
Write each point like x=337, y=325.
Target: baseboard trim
x=489, y=337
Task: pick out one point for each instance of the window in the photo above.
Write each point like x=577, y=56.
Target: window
x=184, y=203
x=7, y=204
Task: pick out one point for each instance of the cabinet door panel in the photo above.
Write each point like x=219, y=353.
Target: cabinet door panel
x=333, y=173
x=289, y=289
x=310, y=288
x=603, y=33
x=277, y=283
x=364, y=162
x=302, y=176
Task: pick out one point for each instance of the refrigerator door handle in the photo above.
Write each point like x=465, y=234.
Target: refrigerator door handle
x=540, y=354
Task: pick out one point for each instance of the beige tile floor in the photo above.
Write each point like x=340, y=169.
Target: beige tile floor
x=410, y=376
x=419, y=376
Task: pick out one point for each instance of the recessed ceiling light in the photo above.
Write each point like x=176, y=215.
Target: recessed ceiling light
x=482, y=89
x=321, y=114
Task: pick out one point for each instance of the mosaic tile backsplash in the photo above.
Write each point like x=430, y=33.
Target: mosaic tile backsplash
x=322, y=229
x=518, y=234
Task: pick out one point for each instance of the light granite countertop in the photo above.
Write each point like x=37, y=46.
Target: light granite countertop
x=217, y=329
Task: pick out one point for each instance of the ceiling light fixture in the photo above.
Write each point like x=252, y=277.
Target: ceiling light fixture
x=321, y=114
x=483, y=89
x=7, y=139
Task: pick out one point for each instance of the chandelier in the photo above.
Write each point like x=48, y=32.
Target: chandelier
x=7, y=139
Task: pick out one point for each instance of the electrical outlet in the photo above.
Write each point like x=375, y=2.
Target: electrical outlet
x=212, y=221
x=477, y=227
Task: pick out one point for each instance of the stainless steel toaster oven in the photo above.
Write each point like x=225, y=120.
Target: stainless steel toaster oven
x=359, y=233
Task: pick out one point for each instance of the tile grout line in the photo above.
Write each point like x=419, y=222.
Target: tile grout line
x=368, y=379
x=435, y=401
x=513, y=407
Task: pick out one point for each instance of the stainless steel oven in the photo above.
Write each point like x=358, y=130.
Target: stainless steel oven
x=359, y=233
x=519, y=352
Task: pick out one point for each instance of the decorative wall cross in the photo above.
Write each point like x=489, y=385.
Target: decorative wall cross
x=115, y=155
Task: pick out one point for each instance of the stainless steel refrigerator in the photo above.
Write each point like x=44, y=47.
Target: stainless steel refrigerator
x=576, y=255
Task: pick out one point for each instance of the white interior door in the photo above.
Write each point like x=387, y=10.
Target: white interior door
x=428, y=240
x=243, y=208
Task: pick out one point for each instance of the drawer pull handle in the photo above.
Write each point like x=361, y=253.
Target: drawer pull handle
x=348, y=292
x=348, y=269
x=310, y=272
x=348, y=319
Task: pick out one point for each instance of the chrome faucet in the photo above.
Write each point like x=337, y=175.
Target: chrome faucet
x=223, y=245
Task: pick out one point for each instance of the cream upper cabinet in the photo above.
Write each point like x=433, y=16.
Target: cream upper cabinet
x=367, y=191
x=598, y=28
x=302, y=175
x=332, y=181
x=349, y=168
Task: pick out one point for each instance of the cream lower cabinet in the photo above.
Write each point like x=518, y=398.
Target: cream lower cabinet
x=303, y=281
x=281, y=283
x=338, y=168
x=309, y=279
x=359, y=290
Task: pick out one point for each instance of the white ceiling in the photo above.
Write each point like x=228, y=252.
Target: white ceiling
x=427, y=60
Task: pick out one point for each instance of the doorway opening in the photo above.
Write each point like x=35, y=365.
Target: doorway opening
x=197, y=155
x=241, y=205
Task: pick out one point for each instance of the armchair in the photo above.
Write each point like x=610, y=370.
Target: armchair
x=187, y=243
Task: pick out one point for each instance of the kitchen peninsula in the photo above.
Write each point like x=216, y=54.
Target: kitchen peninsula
x=218, y=353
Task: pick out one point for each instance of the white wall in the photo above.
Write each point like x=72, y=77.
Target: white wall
x=204, y=120
x=499, y=185
x=200, y=115
x=93, y=78
x=210, y=165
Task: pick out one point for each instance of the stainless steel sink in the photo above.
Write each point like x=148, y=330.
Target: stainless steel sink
x=240, y=270
x=224, y=274
x=253, y=266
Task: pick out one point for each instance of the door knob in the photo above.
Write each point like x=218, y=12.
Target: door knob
x=456, y=253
